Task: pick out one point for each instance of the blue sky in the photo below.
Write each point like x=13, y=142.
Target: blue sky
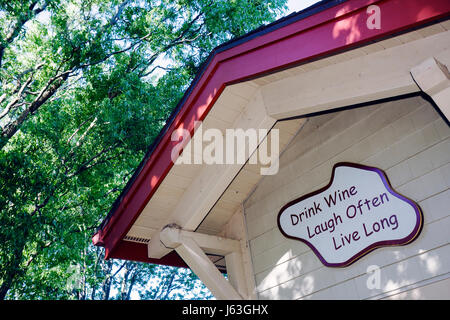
x=297, y=5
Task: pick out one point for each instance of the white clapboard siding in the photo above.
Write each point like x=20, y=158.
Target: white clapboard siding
x=319, y=166
x=438, y=290
x=386, y=156
x=408, y=140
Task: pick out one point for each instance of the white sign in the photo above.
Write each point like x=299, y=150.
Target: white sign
x=358, y=211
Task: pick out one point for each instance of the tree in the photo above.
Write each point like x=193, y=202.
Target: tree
x=85, y=87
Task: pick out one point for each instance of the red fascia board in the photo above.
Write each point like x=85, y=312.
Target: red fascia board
x=332, y=30
x=135, y=251
x=299, y=26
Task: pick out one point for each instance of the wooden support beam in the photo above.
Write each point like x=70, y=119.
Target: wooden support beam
x=433, y=78
x=213, y=180
x=378, y=75
x=188, y=246
x=172, y=237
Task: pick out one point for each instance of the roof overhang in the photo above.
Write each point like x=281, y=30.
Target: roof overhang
x=326, y=29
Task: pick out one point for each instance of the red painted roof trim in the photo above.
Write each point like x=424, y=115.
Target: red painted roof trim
x=335, y=29
x=128, y=250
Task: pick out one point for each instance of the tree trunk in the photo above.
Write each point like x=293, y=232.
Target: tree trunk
x=13, y=269
x=107, y=282
x=123, y=289
x=11, y=128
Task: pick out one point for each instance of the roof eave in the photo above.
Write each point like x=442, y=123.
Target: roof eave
x=214, y=77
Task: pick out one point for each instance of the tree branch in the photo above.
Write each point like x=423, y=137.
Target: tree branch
x=18, y=25
x=14, y=104
x=52, y=86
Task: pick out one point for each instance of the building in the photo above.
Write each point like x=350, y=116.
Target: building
x=360, y=88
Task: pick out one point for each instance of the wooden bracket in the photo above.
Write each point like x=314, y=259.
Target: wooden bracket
x=189, y=246
x=433, y=78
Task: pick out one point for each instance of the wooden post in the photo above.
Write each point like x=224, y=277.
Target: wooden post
x=239, y=267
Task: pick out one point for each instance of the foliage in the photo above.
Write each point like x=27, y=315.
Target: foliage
x=85, y=87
